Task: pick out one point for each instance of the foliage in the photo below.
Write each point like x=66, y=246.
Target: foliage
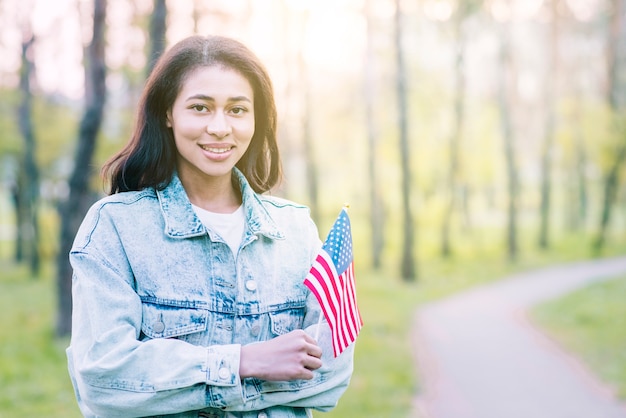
x=592, y=323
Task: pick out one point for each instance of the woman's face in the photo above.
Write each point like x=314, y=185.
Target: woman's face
x=212, y=120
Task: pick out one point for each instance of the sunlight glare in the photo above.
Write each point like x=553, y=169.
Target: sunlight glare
x=382, y=9
x=59, y=47
x=500, y=10
x=583, y=10
x=440, y=10
x=506, y=10
x=525, y=9
x=335, y=40
x=179, y=21
x=10, y=40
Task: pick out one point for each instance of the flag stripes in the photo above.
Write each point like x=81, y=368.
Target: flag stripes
x=336, y=291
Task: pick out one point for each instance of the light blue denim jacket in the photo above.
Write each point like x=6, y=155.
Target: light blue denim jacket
x=161, y=308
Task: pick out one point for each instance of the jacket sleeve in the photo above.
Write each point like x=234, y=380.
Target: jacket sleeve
x=329, y=382
x=321, y=393
x=114, y=373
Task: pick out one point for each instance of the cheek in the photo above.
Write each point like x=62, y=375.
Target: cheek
x=187, y=128
x=247, y=129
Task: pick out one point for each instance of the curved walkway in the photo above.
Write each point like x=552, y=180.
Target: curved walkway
x=478, y=356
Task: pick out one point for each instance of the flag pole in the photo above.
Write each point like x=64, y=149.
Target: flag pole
x=319, y=324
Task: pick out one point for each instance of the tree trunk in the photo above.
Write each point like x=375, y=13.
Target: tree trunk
x=376, y=208
x=578, y=207
x=509, y=149
x=74, y=209
x=157, y=33
x=407, y=266
x=548, y=144
x=16, y=197
x=455, y=138
x=28, y=179
x=617, y=103
x=611, y=185
x=312, y=172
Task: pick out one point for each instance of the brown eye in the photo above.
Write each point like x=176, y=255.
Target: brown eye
x=238, y=110
x=199, y=108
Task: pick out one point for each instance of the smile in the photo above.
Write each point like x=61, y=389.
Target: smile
x=216, y=150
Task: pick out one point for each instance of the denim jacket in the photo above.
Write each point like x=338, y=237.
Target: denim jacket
x=161, y=308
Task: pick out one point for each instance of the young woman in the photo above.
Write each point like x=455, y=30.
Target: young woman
x=188, y=281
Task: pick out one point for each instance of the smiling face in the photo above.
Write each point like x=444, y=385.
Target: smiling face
x=212, y=120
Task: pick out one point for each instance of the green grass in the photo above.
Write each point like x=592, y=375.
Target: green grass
x=33, y=371
x=592, y=323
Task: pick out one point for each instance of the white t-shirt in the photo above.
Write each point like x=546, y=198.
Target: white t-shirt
x=229, y=226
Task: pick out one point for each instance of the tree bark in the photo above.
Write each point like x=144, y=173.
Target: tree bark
x=509, y=149
x=407, y=266
x=548, y=144
x=455, y=138
x=617, y=102
x=74, y=209
x=27, y=198
x=157, y=33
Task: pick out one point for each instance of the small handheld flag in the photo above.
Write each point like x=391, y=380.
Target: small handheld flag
x=331, y=279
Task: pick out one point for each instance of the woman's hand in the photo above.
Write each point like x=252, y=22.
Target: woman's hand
x=287, y=357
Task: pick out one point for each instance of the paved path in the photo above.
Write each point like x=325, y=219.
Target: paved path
x=478, y=356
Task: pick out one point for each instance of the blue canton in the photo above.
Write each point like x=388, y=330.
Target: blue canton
x=338, y=244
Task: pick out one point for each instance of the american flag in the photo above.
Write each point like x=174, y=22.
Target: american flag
x=331, y=279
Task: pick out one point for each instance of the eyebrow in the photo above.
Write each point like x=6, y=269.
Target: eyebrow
x=211, y=99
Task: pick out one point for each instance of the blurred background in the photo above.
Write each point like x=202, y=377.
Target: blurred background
x=471, y=138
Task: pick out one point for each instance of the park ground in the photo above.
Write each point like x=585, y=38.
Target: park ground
x=32, y=360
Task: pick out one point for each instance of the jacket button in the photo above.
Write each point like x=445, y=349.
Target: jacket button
x=262, y=415
x=251, y=285
x=158, y=327
x=255, y=330
x=223, y=373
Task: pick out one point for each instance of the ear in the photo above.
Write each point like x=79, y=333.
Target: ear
x=168, y=119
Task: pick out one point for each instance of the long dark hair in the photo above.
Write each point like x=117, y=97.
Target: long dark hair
x=149, y=158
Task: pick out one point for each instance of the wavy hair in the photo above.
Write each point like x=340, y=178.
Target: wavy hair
x=149, y=158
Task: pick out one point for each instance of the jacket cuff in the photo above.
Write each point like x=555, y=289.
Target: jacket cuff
x=222, y=376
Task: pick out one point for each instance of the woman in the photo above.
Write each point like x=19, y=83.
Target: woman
x=188, y=281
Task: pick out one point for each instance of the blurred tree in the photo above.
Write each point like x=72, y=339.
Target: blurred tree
x=508, y=138
x=617, y=102
x=26, y=194
x=74, y=209
x=547, y=149
x=574, y=71
x=581, y=165
x=157, y=33
x=407, y=266
x=377, y=221
x=312, y=171
x=464, y=10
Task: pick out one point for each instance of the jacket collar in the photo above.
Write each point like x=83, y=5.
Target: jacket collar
x=181, y=220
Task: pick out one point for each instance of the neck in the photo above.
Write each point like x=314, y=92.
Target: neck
x=215, y=194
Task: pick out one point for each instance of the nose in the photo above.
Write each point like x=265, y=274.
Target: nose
x=218, y=125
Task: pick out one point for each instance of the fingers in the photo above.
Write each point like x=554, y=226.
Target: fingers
x=291, y=356
x=311, y=359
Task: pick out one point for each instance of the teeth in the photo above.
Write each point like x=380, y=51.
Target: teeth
x=216, y=150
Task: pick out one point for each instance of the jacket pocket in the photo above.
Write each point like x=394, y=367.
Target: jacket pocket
x=164, y=321
x=285, y=321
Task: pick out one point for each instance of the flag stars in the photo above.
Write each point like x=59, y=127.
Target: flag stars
x=339, y=243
